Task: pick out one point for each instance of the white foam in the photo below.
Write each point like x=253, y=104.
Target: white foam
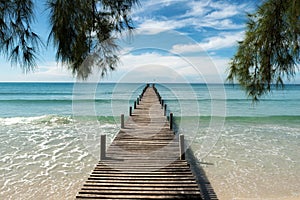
x=19, y=120
x=27, y=120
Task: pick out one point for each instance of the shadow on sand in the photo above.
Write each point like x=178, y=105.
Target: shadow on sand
x=207, y=191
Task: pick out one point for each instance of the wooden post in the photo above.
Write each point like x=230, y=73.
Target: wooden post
x=130, y=111
x=102, y=147
x=165, y=110
x=181, y=147
x=171, y=121
x=122, y=121
x=134, y=105
x=162, y=103
x=137, y=101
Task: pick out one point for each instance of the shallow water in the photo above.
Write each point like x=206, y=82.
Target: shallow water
x=46, y=157
x=256, y=162
x=49, y=144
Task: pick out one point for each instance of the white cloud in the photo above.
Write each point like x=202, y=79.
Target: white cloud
x=187, y=48
x=224, y=40
x=149, y=6
x=145, y=67
x=223, y=24
x=197, y=8
x=152, y=18
x=217, y=15
x=153, y=27
x=167, y=68
x=216, y=9
x=199, y=14
x=49, y=72
x=224, y=10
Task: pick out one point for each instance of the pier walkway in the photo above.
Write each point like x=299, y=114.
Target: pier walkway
x=144, y=159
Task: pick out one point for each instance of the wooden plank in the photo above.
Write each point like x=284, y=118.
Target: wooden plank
x=138, y=192
x=140, y=196
x=157, y=185
x=148, y=181
x=139, y=169
x=143, y=160
x=142, y=188
x=139, y=173
x=142, y=177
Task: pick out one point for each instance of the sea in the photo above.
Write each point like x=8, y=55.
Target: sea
x=49, y=136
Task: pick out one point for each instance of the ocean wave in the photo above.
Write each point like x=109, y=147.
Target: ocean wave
x=271, y=117
x=293, y=120
x=279, y=118
x=227, y=100
x=55, y=119
x=125, y=99
x=47, y=119
x=44, y=119
x=35, y=93
x=61, y=100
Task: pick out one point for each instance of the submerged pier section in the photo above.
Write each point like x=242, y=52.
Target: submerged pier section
x=146, y=160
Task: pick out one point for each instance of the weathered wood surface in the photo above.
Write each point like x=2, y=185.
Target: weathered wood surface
x=143, y=160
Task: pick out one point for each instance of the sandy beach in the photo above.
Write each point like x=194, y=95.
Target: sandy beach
x=48, y=153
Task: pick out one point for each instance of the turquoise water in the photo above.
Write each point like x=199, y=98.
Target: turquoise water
x=38, y=99
x=49, y=136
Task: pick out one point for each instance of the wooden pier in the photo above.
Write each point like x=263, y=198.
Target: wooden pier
x=146, y=160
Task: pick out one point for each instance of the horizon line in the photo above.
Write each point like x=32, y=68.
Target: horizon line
x=111, y=82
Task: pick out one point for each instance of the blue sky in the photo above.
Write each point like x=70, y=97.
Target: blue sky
x=175, y=41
